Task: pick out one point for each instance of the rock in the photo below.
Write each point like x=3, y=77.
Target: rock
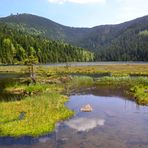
x=146, y=91
x=86, y=108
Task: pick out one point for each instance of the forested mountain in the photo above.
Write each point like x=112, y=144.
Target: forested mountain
x=45, y=27
x=122, y=42
x=16, y=46
x=131, y=45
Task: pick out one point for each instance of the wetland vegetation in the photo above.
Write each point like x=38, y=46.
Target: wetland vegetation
x=42, y=105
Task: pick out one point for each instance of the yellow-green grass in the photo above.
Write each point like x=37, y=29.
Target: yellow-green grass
x=78, y=82
x=138, y=86
x=122, y=81
x=140, y=93
x=129, y=69
x=126, y=83
x=114, y=69
x=41, y=114
x=16, y=69
x=32, y=89
x=81, y=81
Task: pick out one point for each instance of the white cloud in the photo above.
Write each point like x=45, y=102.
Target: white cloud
x=84, y=124
x=133, y=8
x=77, y=1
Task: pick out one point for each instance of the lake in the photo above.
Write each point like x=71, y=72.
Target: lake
x=115, y=122
x=94, y=63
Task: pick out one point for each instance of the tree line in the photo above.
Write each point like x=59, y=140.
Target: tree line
x=17, y=45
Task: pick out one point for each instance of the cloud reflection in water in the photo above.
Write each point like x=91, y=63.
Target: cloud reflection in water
x=84, y=124
x=43, y=139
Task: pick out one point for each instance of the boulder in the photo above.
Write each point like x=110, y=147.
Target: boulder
x=86, y=108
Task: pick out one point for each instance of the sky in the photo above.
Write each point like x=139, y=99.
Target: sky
x=78, y=13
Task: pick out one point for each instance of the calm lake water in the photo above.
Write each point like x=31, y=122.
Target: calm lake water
x=93, y=63
x=4, y=75
x=115, y=122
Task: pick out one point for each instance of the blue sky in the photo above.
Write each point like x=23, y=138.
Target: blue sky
x=78, y=13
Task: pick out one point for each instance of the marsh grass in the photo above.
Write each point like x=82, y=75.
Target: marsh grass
x=122, y=81
x=43, y=103
x=81, y=81
x=137, y=86
x=41, y=114
x=130, y=69
x=113, y=81
x=126, y=69
x=119, y=75
x=33, y=89
x=140, y=93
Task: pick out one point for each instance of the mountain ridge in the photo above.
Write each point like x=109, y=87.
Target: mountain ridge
x=97, y=39
x=45, y=18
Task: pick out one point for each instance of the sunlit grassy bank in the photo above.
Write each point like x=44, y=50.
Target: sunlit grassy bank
x=131, y=69
x=34, y=89
x=122, y=81
x=127, y=69
x=140, y=93
x=41, y=114
x=137, y=86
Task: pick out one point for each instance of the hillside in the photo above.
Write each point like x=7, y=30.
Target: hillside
x=121, y=42
x=17, y=46
x=46, y=27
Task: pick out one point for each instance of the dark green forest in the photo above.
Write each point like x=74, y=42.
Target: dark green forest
x=130, y=46
x=25, y=35
x=17, y=45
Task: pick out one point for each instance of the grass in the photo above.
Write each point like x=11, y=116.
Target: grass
x=81, y=81
x=33, y=89
x=43, y=106
x=114, y=81
x=140, y=93
x=41, y=114
x=137, y=86
x=128, y=69
x=122, y=81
